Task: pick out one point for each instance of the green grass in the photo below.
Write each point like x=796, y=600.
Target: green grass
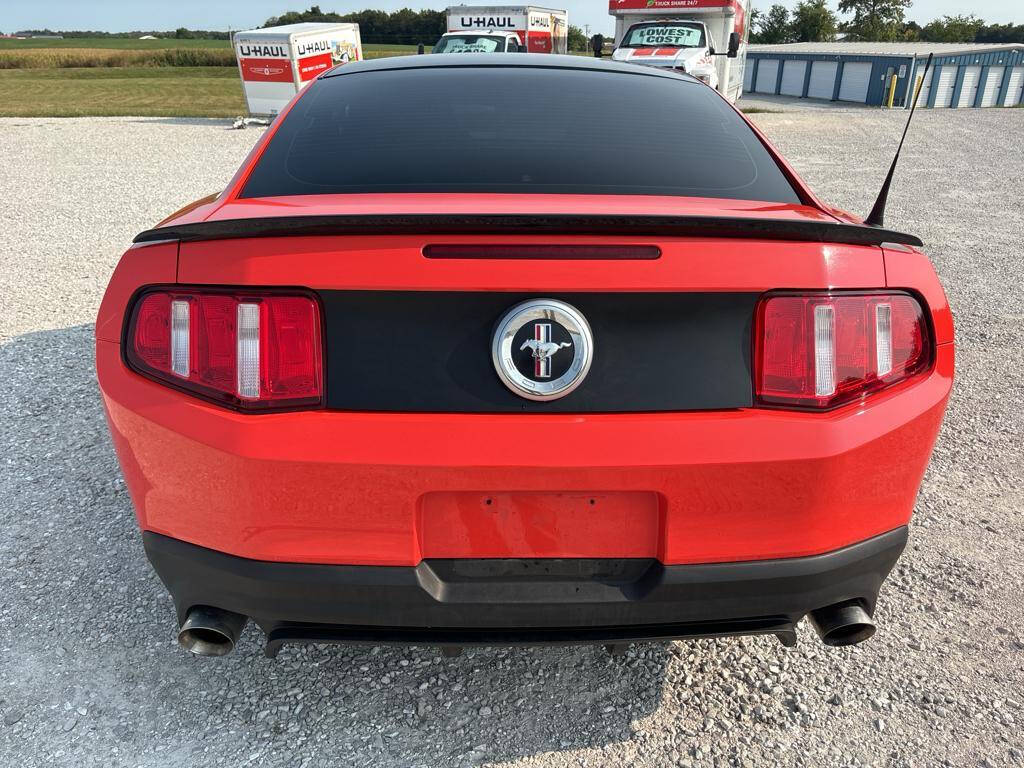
x=134, y=91
x=376, y=47
x=112, y=42
x=381, y=50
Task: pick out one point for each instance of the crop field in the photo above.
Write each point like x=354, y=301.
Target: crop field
x=65, y=58
x=109, y=42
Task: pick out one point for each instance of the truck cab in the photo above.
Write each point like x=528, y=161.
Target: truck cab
x=703, y=38
x=681, y=44
x=484, y=41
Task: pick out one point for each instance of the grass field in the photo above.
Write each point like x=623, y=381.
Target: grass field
x=136, y=91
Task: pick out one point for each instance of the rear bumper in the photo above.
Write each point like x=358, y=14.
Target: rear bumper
x=394, y=489
x=521, y=601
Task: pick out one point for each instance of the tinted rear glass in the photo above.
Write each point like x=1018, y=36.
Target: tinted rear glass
x=515, y=130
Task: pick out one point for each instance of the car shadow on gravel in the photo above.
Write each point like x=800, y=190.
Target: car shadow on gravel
x=89, y=634
x=197, y=121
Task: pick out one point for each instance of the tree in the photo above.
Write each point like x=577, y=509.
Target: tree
x=911, y=32
x=953, y=29
x=577, y=41
x=1000, y=33
x=773, y=27
x=874, y=19
x=813, y=22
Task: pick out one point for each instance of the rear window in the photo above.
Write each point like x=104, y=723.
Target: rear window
x=515, y=130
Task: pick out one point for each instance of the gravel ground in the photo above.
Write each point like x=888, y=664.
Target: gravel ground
x=91, y=675
x=773, y=103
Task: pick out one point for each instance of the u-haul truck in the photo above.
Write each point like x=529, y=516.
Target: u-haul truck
x=694, y=36
x=541, y=30
x=276, y=62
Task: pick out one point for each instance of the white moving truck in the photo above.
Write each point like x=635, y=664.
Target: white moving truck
x=541, y=30
x=276, y=62
x=704, y=38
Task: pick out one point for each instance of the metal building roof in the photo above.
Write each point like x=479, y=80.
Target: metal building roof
x=886, y=49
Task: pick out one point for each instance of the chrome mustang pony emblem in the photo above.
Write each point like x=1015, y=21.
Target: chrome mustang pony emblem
x=543, y=348
x=544, y=327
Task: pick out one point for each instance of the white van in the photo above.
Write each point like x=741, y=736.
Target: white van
x=704, y=38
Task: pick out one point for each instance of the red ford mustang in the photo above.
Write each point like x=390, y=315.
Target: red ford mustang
x=483, y=350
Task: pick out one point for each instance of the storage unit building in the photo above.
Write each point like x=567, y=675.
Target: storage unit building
x=962, y=75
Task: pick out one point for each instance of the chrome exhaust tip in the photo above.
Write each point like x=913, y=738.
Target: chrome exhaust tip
x=842, y=624
x=211, y=631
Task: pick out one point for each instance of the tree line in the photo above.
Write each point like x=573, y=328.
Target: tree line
x=872, y=20
x=404, y=26
x=178, y=34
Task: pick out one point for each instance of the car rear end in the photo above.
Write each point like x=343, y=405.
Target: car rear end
x=301, y=383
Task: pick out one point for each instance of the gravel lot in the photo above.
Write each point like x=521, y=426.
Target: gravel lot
x=91, y=675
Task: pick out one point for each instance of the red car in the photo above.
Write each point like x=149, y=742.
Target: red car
x=517, y=349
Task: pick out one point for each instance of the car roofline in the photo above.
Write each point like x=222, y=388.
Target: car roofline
x=493, y=60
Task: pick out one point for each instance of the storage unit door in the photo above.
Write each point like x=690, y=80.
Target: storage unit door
x=944, y=89
x=767, y=73
x=1013, y=92
x=991, y=92
x=926, y=87
x=969, y=90
x=793, y=78
x=856, y=78
x=748, y=76
x=823, y=80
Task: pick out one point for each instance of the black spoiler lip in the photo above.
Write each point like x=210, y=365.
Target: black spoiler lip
x=731, y=227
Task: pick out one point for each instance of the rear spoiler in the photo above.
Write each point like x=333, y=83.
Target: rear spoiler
x=530, y=224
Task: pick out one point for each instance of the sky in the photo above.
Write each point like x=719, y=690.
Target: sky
x=127, y=15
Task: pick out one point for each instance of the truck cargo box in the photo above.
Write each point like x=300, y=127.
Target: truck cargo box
x=276, y=62
x=541, y=30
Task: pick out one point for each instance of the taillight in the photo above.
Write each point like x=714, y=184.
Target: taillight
x=820, y=350
x=252, y=350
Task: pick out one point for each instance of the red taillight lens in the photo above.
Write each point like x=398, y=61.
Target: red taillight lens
x=151, y=334
x=254, y=349
x=820, y=350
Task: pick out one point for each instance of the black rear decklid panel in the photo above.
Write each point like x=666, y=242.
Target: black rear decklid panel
x=430, y=351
